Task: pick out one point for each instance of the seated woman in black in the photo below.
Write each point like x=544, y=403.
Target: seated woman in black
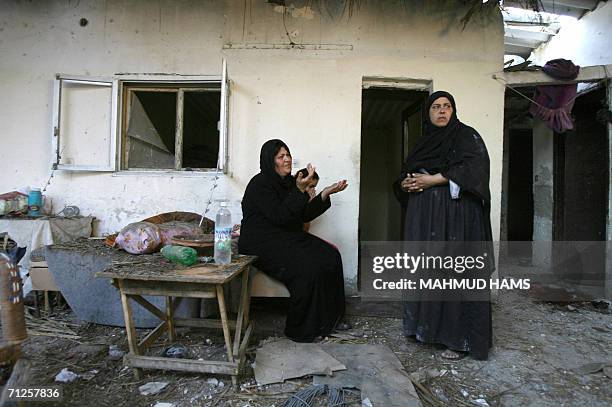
x=274, y=209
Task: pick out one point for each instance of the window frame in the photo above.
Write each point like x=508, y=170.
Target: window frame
x=113, y=83
x=128, y=90
x=119, y=119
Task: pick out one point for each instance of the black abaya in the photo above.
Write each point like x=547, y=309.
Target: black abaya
x=459, y=154
x=274, y=211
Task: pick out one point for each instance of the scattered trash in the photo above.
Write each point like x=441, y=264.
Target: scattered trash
x=66, y=376
x=90, y=350
x=480, y=402
x=221, y=385
x=163, y=404
x=213, y=381
x=601, y=304
x=366, y=403
x=422, y=375
x=152, y=388
x=308, y=396
x=90, y=375
x=208, y=342
x=176, y=351
x=571, y=308
x=114, y=353
x=464, y=393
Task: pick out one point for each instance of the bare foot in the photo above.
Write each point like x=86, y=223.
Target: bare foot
x=452, y=355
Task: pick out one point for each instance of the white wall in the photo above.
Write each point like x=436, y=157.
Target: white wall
x=586, y=42
x=309, y=98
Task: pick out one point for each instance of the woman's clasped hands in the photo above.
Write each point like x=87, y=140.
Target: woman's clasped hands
x=416, y=182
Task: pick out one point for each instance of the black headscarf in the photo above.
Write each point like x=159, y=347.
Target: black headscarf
x=267, y=165
x=455, y=150
x=432, y=151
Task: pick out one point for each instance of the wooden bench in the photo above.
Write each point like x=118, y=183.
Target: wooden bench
x=265, y=286
x=42, y=280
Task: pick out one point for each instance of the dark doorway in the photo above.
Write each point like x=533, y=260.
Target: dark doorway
x=581, y=174
x=519, y=214
x=390, y=124
x=581, y=184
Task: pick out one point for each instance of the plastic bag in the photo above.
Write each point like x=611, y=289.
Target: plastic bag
x=176, y=228
x=140, y=238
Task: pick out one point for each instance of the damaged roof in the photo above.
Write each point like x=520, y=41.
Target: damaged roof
x=526, y=29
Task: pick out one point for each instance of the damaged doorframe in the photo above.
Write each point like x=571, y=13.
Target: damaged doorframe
x=397, y=83
x=587, y=74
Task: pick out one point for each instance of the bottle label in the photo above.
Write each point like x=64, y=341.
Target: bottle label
x=223, y=234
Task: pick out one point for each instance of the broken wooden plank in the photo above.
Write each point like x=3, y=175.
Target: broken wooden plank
x=202, y=323
x=184, y=365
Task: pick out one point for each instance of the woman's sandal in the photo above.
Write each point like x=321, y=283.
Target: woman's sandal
x=452, y=355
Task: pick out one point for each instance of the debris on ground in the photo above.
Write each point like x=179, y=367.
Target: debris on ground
x=114, y=353
x=152, y=388
x=375, y=370
x=66, y=376
x=283, y=359
x=176, y=351
x=311, y=394
x=524, y=368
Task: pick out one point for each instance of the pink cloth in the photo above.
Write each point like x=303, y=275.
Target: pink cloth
x=555, y=102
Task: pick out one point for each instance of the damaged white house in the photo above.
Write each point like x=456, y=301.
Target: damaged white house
x=128, y=109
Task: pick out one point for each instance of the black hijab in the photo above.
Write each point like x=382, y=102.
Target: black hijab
x=455, y=150
x=431, y=153
x=267, y=165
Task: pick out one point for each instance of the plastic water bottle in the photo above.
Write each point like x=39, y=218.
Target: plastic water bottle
x=223, y=235
x=180, y=254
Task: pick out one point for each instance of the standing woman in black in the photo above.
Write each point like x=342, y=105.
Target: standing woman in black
x=444, y=187
x=274, y=209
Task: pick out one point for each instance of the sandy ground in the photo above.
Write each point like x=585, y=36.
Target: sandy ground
x=539, y=349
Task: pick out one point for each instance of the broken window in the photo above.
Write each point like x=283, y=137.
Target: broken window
x=160, y=124
x=171, y=127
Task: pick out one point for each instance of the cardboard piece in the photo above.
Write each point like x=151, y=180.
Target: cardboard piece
x=376, y=371
x=279, y=360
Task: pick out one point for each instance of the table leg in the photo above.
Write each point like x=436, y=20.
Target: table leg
x=130, y=329
x=47, y=301
x=36, y=303
x=244, y=304
x=224, y=322
x=247, y=304
x=170, y=318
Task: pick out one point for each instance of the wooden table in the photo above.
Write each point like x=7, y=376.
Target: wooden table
x=175, y=282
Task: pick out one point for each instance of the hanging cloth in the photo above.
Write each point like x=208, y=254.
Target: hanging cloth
x=554, y=103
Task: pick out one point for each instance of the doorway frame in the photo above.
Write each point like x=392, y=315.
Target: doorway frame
x=587, y=74
x=388, y=83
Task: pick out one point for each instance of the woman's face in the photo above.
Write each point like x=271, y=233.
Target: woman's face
x=282, y=162
x=440, y=112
